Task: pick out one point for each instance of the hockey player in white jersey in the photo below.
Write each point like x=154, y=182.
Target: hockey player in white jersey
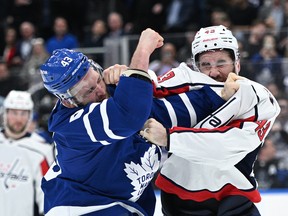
x=23, y=159
x=210, y=169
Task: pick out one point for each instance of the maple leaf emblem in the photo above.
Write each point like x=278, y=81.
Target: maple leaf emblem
x=142, y=174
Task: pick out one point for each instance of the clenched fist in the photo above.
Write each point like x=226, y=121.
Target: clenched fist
x=231, y=86
x=154, y=132
x=112, y=74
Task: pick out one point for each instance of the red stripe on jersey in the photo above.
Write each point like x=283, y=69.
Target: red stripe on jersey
x=196, y=130
x=44, y=166
x=233, y=124
x=237, y=123
x=228, y=190
x=163, y=92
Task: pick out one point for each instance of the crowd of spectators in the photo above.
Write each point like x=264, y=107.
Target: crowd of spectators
x=31, y=29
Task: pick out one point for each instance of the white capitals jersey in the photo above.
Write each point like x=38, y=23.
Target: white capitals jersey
x=215, y=158
x=23, y=163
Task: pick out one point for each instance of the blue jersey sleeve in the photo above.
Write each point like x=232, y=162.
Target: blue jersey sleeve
x=186, y=109
x=115, y=118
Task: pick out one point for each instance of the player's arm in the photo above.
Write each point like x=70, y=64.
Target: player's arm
x=124, y=114
x=227, y=144
x=181, y=79
x=149, y=41
x=219, y=140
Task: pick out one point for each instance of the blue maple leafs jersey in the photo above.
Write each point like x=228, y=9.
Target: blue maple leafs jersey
x=102, y=162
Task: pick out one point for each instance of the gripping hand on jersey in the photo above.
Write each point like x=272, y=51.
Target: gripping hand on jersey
x=112, y=74
x=231, y=86
x=154, y=132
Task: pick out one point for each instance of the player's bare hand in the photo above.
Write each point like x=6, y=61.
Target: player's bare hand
x=150, y=40
x=231, y=86
x=154, y=132
x=112, y=74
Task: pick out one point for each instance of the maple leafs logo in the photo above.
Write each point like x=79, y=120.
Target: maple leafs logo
x=142, y=174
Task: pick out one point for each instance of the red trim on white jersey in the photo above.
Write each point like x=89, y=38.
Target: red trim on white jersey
x=202, y=195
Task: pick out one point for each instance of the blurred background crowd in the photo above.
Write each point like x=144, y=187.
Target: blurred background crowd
x=107, y=31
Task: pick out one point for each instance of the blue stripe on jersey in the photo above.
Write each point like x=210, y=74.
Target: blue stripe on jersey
x=181, y=111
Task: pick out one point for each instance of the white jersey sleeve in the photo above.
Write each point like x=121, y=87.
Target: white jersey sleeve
x=239, y=126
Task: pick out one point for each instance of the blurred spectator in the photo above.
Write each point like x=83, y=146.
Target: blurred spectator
x=62, y=38
x=279, y=135
x=74, y=11
x=267, y=64
x=184, y=52
x=30, y=70
x=282, y=120
x=46, y=20
x=112, y=41
x=9, y=82
x=242, y=13
x=96, y=35
x=183, y=15
x=20, y=11
x=283, y=37
x=167, y=60
x=274, y=89
x=253, y=40
x=266, y=167
x=97, y=9
x=142, y=14
x=115, y=25
x=220, y=17
x=23, y=46
x=246, y=66
x=9, y=51
x=272, y=13
x=95, y=38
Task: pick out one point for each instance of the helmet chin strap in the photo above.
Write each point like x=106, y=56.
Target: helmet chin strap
x=69, y=103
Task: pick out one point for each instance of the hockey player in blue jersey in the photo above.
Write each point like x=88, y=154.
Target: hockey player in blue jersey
x=103, y=166
x=100, y=168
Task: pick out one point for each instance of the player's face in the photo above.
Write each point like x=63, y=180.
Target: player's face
x=17, y=120
x=91, y=88
x=217, y=64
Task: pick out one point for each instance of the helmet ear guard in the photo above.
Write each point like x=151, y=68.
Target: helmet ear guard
x=213, y=38
x=96, y=67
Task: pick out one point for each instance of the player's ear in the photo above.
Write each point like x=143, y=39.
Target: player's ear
x=67, y=104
